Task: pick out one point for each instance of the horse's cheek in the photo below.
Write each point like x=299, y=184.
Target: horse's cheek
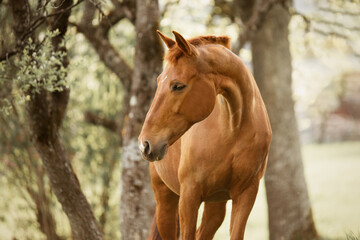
x=200, y=103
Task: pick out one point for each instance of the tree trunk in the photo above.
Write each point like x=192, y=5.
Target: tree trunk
x=290, y=215
x=45, y=113
x=44, y=215
x=137, y=206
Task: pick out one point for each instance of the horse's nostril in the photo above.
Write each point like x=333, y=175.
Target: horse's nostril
x=152, y=152
x=147, y=147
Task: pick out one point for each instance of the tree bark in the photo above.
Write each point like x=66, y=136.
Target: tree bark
x=45, y=113
x=44, y=215
x=137, y=206
x=290, y=215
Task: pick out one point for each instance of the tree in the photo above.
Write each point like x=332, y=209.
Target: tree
x=265, y=25
x=137, y=201
x=290, y=215
x=137, y=204
x=46, y=107
x=45, y=123
x=289, y=208
x=24, y=171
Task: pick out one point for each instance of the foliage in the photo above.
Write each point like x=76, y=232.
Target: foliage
x=38, y=67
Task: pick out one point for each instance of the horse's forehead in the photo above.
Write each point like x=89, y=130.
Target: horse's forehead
x=179, y=70
x=164, y=78
x=168, y=73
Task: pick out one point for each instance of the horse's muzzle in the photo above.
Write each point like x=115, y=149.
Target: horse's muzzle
x=152, y=152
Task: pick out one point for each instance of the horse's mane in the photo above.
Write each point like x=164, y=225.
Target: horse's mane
x=175, y=52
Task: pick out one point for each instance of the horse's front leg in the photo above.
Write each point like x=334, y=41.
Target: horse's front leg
x=243, y=202
x=188, y=210
x=166, y=208
x=213, y=216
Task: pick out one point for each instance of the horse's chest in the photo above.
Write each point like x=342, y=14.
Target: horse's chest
x=206, y=160
x=209, y=168
x=202, y=156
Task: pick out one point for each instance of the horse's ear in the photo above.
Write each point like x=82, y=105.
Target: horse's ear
x=182, y=43
x=168, y=41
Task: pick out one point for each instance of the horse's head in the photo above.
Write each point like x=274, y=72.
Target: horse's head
x=185, y=95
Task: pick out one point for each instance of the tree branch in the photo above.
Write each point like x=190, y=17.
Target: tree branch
x=110, y=20
x=29, y=28
x=166, y=7
x=115, y=126
x=7, y=55
x=40, y=20
x=337, y=24
x=97, y=36
x=338, y=11
x=224, y=8
x=124, y=9
x=88, y=13
x=253, y=24
x=329, y=33
x=108, y=54
x=99, y=120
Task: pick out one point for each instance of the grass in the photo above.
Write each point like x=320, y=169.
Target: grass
x=333, y=176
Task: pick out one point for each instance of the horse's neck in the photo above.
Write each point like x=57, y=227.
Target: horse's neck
x=237, y=85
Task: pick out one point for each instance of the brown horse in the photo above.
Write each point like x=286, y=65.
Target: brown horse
x=207, y=138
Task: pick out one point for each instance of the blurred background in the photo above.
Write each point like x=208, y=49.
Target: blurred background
x=96, y=70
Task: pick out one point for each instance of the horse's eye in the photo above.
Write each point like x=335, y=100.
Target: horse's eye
x=177, y=87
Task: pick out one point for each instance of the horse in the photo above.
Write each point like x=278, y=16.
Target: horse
x=206, y=137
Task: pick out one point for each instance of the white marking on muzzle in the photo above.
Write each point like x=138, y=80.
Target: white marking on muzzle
x=141, y=146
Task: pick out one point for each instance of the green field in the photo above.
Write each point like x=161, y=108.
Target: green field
x=333, y=177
